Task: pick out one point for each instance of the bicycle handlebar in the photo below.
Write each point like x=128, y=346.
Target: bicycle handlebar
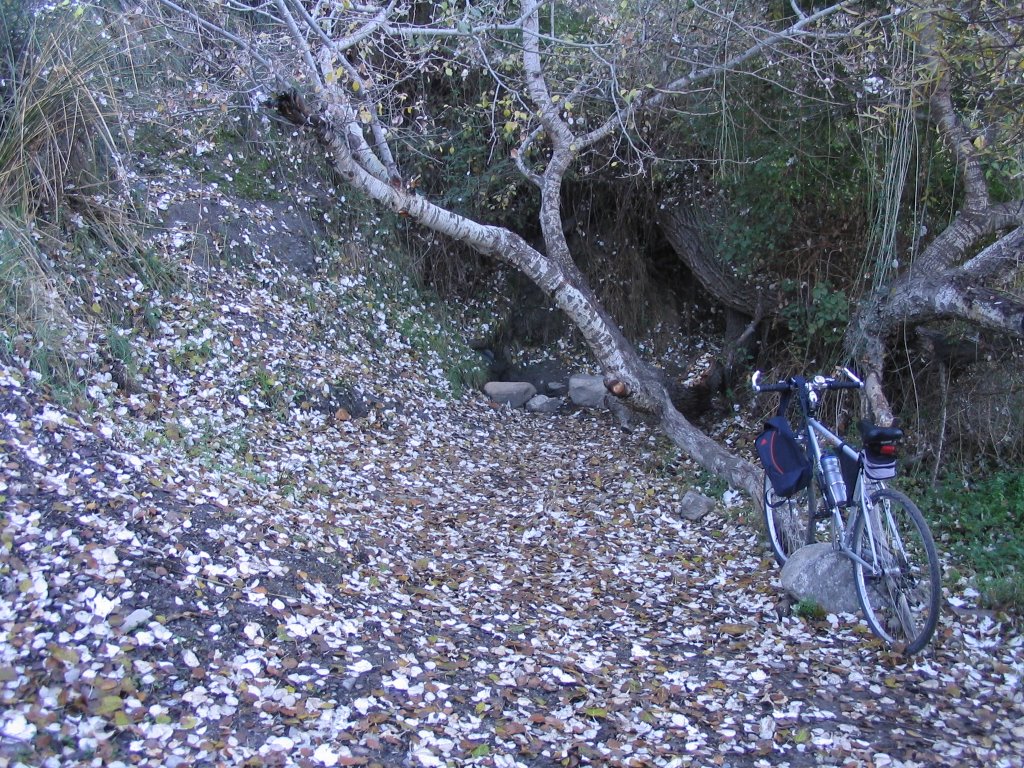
x=782, y=386
x=816, y=383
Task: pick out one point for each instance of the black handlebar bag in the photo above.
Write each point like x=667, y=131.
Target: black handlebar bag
x=785, y=462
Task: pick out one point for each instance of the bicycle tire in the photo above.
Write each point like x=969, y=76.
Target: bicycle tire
x=789, y=522
x=901, y=604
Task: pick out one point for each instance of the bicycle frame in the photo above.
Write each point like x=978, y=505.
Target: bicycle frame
x=843, y=529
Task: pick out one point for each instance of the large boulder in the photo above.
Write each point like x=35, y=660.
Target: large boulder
x=512, y=393
x=587, y=391
x=819, y=573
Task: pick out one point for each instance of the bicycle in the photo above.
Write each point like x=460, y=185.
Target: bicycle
x=884, y=534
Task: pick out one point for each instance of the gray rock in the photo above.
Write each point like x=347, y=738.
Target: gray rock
x=587, y=391
x=695, y=505
x=270, y=229
x=541, y=374
x=512, y=393
x=543, y=404
x=558, y=388
x=819, y=573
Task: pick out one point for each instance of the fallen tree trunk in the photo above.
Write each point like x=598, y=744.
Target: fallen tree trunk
x=351, y=61
x=642, y=386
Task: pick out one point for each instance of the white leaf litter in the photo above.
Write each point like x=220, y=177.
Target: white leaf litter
x=360, y=667
x=195, y=578
x=17, y=728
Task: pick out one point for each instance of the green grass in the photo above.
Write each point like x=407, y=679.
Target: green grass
x=980, y=527
x=809, y=609
x=34, y=321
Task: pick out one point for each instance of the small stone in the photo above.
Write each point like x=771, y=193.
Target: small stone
x=695, y=505
x=543, y=404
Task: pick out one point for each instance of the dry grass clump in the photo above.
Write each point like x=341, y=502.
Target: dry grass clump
x=62, y=185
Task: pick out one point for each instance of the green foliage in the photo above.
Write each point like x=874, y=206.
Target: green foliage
x=120, y=346
x=820, y=314
x=14, y=17
x=250, y=169
x=68, y=228
x=982, y=44
x=34, y=323
x=788, y=201
x=57, y=134
x=712, y=485
x=980, y=525
x=427, y=327
x=192, y=356
x=809, y=609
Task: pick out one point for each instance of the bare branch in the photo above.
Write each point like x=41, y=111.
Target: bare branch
x=300, y=40
x=1001, y=260
x=952, y=128
x=468, y=30
x=733, y=62
x=216, y=29
x=367, y=29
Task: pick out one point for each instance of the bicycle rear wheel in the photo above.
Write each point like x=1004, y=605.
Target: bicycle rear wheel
x=789, y=521
x=900, y=589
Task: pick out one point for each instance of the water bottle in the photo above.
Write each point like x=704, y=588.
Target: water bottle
x=834, y=479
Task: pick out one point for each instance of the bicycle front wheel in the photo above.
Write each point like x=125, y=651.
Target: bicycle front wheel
x=789, y=521
x=898, y=584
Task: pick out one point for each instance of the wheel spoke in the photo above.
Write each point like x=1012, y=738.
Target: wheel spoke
x=783, y=523
x=905, y=615
x=900, y=588
x=787, y=520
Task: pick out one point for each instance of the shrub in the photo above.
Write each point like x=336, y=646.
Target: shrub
x=66, y=219
x=980, y=525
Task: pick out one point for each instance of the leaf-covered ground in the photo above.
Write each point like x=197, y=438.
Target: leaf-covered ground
x=265, y=533
x=220, y=561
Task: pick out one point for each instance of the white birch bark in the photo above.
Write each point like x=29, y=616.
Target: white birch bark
x=950, y=279
x=342, y=117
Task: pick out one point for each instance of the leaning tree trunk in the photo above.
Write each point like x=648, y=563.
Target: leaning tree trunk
x=341, y=65
x=688, y=239
x=746, y=304
x=634, y=381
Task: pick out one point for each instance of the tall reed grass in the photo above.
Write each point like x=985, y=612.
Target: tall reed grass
x=62, y=185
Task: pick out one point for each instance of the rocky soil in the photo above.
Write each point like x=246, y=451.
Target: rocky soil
x=272, y=537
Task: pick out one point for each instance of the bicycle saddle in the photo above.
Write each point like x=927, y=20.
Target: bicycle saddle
x=870, y=433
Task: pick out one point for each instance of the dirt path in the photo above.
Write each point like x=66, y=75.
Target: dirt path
x=510, y=591
x=192, y=575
